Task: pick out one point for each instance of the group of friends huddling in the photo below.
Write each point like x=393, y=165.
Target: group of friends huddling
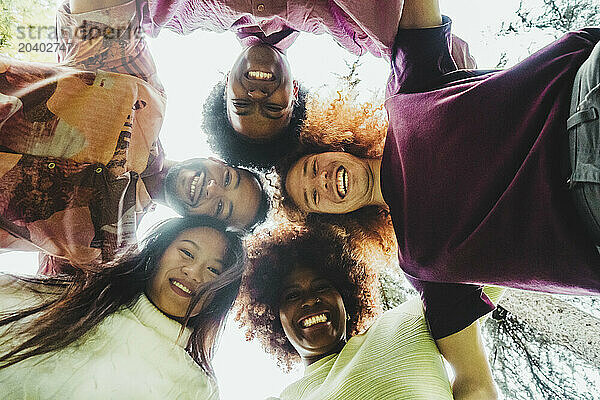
x=468, y=180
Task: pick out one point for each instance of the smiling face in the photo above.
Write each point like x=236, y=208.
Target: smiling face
x=260, y=93
x=312, y=314
x=210, y=187
x=193, y=259
x=330, y=183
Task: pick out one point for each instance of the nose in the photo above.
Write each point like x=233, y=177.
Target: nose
x=212, y=188
x=321, y=183
x=323, y=179
x=192, y=271
x=257, y=93
x=310, y=300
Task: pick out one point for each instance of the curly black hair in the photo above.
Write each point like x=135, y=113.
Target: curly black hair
x=274, y=254
x=239, y=150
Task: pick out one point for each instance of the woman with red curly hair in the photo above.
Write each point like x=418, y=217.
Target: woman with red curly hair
x=307, y=299
x=472, y=171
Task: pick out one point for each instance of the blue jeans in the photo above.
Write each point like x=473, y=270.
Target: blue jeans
x=583, y=128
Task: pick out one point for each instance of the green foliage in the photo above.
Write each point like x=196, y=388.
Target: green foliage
x=526, y=366
x=555, y=16
x=395, y=290
x=27, y=21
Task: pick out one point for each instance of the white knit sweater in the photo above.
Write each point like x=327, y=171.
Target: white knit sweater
x=132, y=354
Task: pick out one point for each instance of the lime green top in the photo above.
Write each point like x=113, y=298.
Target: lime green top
x=395, y=359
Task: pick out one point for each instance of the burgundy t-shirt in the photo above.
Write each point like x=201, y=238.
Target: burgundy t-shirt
x=472, y=174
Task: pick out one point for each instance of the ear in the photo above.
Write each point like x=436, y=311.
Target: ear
x=217, y=160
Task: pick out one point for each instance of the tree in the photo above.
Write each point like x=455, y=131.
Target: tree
x=555, y=16
x=24, y=23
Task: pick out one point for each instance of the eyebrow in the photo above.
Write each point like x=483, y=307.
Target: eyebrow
x=237, y=183
x=289, y=287
x=305, y=166
x=230, y=211
x=191, y=242
x=244, y=113
x=271, y=117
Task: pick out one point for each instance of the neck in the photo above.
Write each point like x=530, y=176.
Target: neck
x=376, y=197
x=313, y=358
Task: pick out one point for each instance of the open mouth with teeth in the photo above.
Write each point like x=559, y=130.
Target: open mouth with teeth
x=341, y=181
x=314, y=320
x=260, y=75
x=182, y=289
x=196, y=187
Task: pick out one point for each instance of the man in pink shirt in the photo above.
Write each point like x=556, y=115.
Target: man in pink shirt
x=253, y=117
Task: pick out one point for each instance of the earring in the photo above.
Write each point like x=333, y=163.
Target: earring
x=347, y=317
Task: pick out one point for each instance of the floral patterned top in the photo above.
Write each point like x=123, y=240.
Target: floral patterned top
x=76, y=139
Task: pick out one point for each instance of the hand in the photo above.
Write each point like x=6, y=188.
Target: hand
x=420, y=14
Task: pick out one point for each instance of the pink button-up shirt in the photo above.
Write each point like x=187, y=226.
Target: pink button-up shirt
x=357, y=25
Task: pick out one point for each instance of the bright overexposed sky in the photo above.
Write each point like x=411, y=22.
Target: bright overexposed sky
x=190, y=65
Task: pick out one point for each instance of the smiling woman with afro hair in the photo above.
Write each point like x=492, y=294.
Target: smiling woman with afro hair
x=307, y=297
x=273, y=256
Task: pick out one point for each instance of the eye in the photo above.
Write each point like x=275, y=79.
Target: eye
x=219, y=209
x=273, y=107
x=240, y=103
x=214, y=270
x=186, y=254
x=322, y=286
x=315, y=197
x=291, y=296
x=227, y=179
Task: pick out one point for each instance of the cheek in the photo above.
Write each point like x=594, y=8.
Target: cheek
x=285, y=321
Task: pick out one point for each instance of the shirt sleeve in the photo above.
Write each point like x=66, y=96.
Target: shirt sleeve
x=461, y=54
x=421, y=57
x=109, y=39
x=281, y=39
x=451, y=307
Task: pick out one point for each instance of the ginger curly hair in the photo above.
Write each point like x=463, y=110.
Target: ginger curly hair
x=340, y=123
x=274, y=254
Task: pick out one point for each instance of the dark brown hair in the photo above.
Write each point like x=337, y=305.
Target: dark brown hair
x=274, y=254
x=79, y=302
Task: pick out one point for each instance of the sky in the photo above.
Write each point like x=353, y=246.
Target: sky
x=190, y=65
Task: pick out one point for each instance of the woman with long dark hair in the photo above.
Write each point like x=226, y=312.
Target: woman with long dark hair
x=146, y=325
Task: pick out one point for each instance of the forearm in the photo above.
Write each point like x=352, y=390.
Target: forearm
x=465, y=390
x=420, y=14
x=465, y=352
x=81, y=6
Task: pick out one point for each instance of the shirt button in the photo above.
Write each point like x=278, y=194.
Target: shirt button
x=51, y=165
x=260, y=7
x=98, y=170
